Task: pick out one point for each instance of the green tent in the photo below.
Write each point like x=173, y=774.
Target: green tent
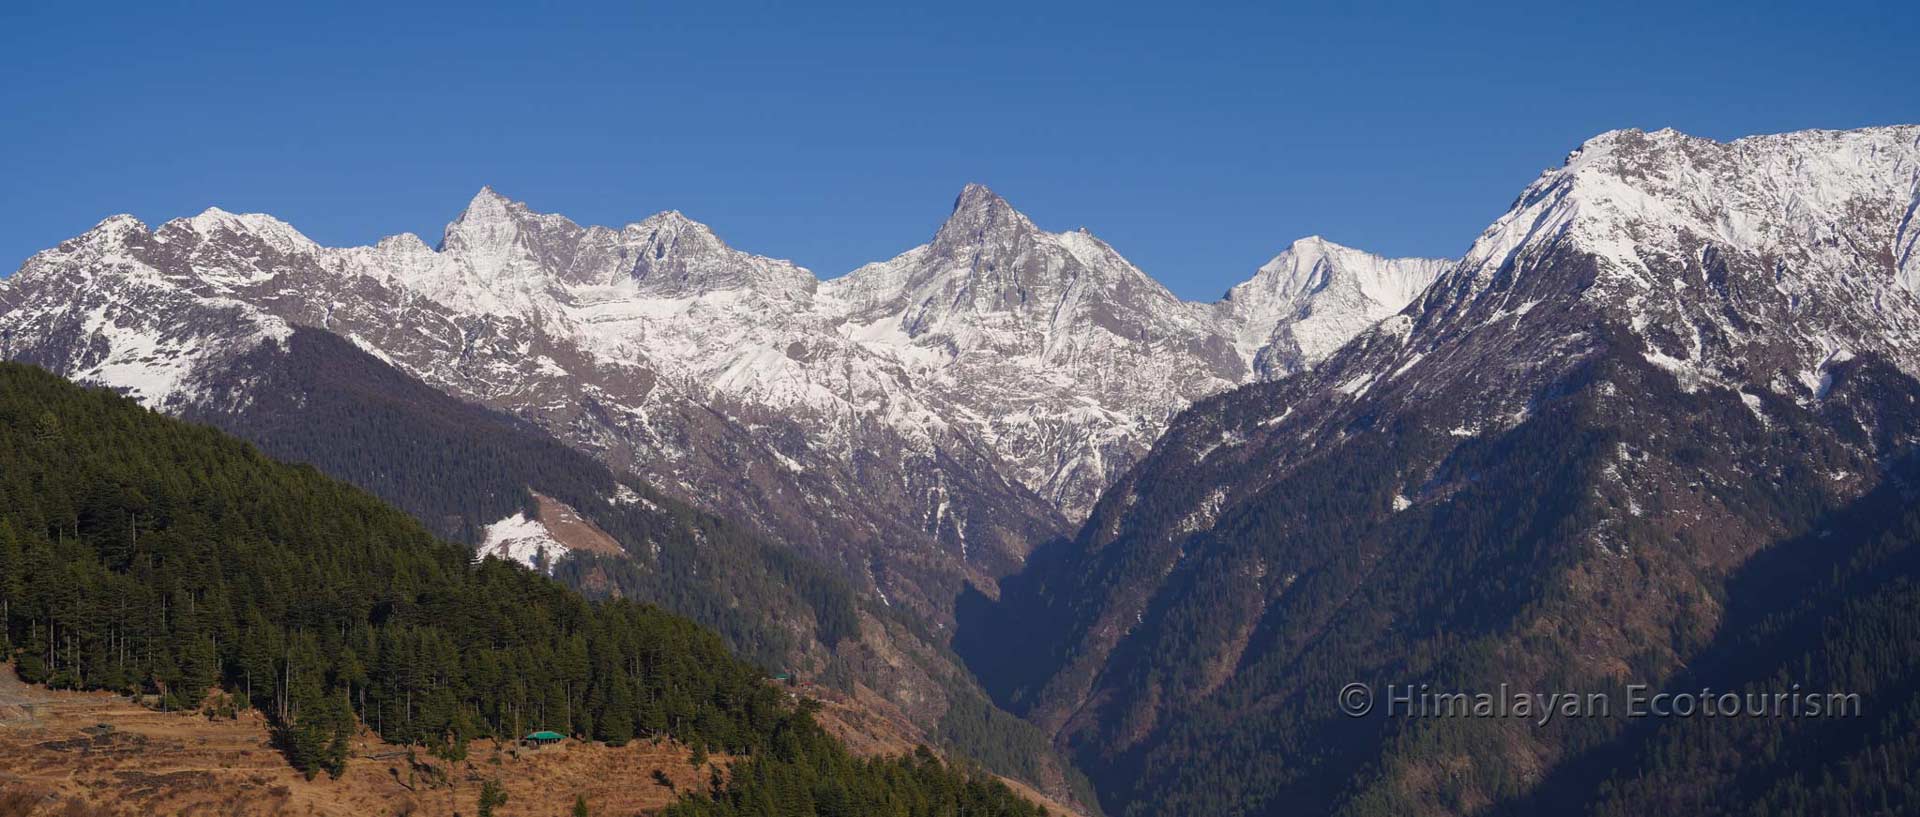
x=544, y=736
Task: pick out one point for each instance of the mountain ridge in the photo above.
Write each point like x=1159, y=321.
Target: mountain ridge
x=983, y=386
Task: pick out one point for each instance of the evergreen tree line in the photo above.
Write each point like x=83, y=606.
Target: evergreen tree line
x=154, y=557
x=159, y=558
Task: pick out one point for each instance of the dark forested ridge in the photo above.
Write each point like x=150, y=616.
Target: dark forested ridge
x=458, y=466
x=155, y=557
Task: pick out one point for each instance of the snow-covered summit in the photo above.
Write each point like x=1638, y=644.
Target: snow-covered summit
x=1793, y=193
x=1778, y=251
x=1315, y=296
x=273, y=232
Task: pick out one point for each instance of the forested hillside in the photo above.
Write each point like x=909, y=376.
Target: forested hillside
x=153, y=557
x=1837, y=609
x=458, y=466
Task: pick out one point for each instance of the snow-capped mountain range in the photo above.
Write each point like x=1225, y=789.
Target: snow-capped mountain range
x=923, y=420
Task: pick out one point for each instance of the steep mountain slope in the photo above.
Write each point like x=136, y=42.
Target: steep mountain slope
x=1832, y=611
x=1671, y=354
x=484, y=477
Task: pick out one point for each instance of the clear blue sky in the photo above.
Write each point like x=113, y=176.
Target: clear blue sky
x=1198, y=139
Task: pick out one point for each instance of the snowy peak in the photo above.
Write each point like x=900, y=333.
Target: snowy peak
x=487, y=212
x=112, y=232
x=215, y=223
x=1746, y=261
x=1313, y=297
x=991, y=278
x=1313, y=265
x=986, y=253
x=512, y=252
x=488, y=221
x=1806, y=195
x=116, y=225
x=506, y=249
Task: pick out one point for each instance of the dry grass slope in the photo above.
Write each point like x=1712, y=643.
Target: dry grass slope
x=74, y=754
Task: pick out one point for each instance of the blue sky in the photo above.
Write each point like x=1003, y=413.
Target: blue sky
x=1198, y=139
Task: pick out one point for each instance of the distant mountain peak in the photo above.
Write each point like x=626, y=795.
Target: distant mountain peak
x=271, y=231
x=488, y=196
x=1314, y=296
x=114, y=227
x=676, y=223
x=486, y=206
x=119, y=222
x=980, y=217
x=975, y=194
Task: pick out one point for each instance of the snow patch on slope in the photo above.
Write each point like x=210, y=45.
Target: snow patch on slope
x=520, y=539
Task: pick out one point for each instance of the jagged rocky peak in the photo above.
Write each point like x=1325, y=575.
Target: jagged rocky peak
x=501, y=242
x=110, y=232
x=672, y=255
x=116, y=224
x=487, y=219
x=989, y=267
x=986, y=258
x=980, y=218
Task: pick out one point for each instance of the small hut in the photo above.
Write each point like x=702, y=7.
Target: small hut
x=543, y=738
